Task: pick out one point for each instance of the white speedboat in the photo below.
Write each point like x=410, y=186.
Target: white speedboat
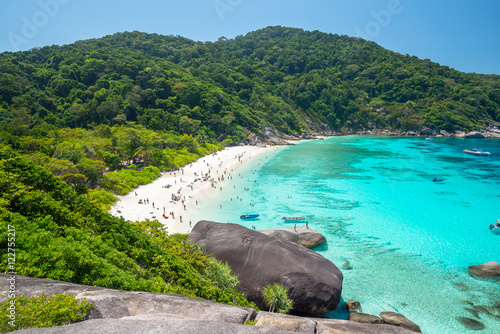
x=477, y=151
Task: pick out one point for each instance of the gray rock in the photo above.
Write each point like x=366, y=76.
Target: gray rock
x=254, y=139
x=473, y=312
x=445, y=133
x=304, y=236
x=352, y=305
x=459, y=134
x=396, y=319
x=365, y=318
x=471, y=323
x=426, y=132
x=488, y=270
x=31, y=287
x=481, y=309
x=106, y=306
x=286, y=322
x=332, y=326
x=474, y=134
x=491, y=134
x=137, y=303
x=163, y=325
x=140, y=303
x=314, y=283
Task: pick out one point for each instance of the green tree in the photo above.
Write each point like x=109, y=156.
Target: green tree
x=276, y=297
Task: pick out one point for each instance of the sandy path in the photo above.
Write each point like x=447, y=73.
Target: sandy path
x=187, y=186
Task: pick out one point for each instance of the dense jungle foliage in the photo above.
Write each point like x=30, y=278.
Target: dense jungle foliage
x=107, y=160
x=61, y=235
x=285, y=78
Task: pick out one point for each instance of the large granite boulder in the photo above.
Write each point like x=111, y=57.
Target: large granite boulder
x=301, y=235
x=488, y=270
x=314, y=283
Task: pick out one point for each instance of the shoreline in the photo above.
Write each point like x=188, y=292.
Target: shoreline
x=173, y=193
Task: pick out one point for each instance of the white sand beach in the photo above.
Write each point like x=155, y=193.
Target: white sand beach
x=169, y=198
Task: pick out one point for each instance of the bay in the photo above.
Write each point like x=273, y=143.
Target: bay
x=406, y=241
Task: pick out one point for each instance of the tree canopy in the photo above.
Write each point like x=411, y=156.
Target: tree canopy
x=285, y=78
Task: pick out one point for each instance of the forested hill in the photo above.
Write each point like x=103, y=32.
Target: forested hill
x=285, y=78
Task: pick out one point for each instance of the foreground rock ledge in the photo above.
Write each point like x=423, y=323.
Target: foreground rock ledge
x=116, y=311
x=302, y=235
x=314, y=283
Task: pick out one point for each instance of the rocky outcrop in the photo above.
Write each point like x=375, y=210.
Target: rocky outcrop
x=285, y=321
x=106, y=306
x=303, y=236
x=314, y=283
x=164, y=323
x=488, y=270
x=324, y=325
x=397, y=319
x=333, y=326
x=474, y=134
x=116, y=304
x=365, y=318
x=426, y=132
x=116, y=311
x=352, y=305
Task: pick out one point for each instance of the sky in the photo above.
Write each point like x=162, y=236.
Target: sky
x=461, y=34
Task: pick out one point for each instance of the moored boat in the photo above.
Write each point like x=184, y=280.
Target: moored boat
x=477, y=151
x=438, y=180
x=249, y=216
x=294, y=218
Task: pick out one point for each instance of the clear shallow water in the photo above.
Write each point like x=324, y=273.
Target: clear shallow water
x=408, y=240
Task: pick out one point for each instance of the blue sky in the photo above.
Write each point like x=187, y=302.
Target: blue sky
x=462, y=34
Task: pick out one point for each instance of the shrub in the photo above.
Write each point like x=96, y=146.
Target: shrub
x=276, y=297
x=124, y=181
x=221, y=273
x=42, y=311
x=102, y=198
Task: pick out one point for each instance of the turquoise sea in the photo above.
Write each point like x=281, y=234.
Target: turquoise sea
x=405, y=241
